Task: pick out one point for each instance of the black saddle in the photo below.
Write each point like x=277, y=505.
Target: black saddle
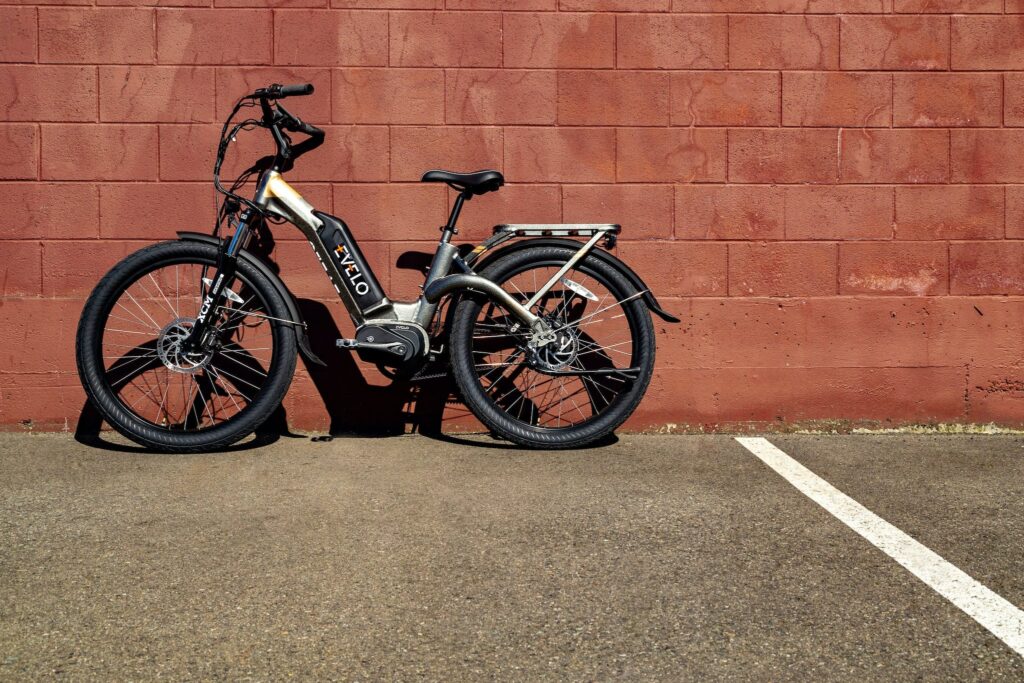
x=479, y=182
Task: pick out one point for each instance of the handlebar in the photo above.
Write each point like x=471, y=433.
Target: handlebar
x=279, y=121
x=278, y=91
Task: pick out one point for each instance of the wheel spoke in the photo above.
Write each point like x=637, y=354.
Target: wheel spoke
x=155, y=284
x=144, y=311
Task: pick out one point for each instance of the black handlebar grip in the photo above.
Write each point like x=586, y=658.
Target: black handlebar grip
x=297, y=89
x=310, y=130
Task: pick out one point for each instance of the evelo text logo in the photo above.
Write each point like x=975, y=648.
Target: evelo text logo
x=351, y=271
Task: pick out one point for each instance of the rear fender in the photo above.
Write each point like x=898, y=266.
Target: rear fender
x=608, y=258
x=289, y=299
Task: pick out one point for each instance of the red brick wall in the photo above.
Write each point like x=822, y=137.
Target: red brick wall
x=829, y=192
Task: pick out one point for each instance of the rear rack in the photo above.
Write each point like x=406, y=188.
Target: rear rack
x=509, y=231
x=557, y=229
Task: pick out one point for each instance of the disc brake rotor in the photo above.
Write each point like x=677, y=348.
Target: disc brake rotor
x=557, y=354
x=170, y=348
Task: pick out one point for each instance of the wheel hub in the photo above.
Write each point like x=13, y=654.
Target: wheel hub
x=559, y=352
x=170, y=347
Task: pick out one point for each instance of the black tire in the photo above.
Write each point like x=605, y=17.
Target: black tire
x=530, y=433
x=92, y=370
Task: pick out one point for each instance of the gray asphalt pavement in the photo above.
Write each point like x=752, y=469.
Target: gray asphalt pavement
x=406, y=558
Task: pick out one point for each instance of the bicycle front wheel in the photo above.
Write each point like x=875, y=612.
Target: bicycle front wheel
x=137, y=372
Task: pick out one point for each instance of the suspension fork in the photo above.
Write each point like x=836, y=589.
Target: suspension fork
x=227, y=264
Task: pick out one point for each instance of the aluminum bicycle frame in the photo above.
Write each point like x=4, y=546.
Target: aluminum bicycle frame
x=277, y=197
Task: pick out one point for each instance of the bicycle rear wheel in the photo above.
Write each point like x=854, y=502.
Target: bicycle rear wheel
x=138, y=373
x=576, y=389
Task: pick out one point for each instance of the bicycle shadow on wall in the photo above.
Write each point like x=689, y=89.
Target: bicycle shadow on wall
x=355, y=406
x=358, y=408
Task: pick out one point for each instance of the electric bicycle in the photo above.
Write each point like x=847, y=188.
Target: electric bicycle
x=190, y=345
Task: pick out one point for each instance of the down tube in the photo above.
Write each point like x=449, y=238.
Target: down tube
x=280, y=198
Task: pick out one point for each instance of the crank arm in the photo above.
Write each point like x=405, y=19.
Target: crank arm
x=397, y=348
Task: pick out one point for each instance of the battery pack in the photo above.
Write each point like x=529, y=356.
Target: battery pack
x=356, y=276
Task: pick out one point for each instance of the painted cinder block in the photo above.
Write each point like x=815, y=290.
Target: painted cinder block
x=108, y=151
x=783, y=155
x=20, y=34
x=197, y=36
x=783, y=42
x=49, y=210
x=683, y=155
x=959, y=212
x=782, y=268
x=845, y=212
x=836, y=99
x=497, y=96
x=681, y=268
x=416, y=149
x=157, y=94
x=986, y=42
x=21, y=271
x=329, y=38
x=48, y=92
x=878, y=155
x=644, y=211
x=97, y=35
x=613, y=98
x=664, y=41
x=947, y=99
x=987, y=156
x=729, y=212
x=725, y=98
x=756, y=398
x=563, y=40
x=19, y=151
x=893, y=268
x=986, y=268
x=571, y=154
x=914, y=43
x=996, y=394
x=71, y=267
x=472, y=39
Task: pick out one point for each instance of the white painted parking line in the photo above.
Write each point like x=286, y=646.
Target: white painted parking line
x=989, y=609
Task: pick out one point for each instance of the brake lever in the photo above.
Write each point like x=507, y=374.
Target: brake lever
x=289, y=120
x=296, y=125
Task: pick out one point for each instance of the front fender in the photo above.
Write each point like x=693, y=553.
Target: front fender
x=282, y=288
x=610, y=259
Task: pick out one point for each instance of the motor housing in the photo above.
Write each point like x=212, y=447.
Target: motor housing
x=412, y=337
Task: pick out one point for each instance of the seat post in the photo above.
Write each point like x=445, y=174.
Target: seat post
x=449, y=229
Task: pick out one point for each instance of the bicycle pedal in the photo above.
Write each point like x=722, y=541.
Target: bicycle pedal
x=346, y=343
